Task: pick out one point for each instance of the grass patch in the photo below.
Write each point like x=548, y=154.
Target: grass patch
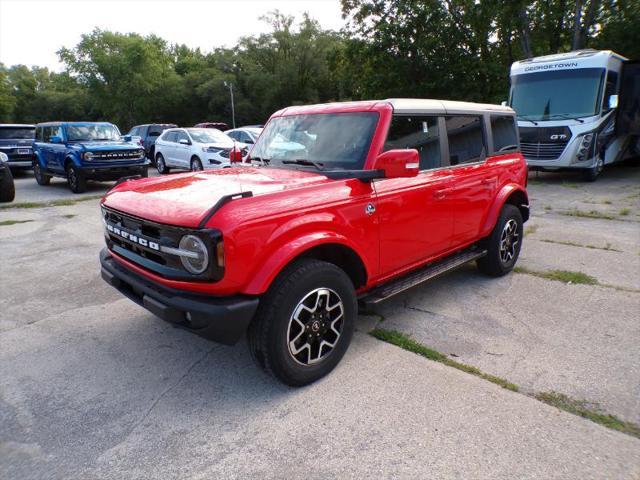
x=407, y=343
x=530, y=230
x=588, y=214
x=565, y=276
x=548, y=208
x=570, y=185
x=624, y=212
x=589, y=411
x=607, y=202
x=65, y=202
x=607, y=247
x=69, y=215
x=13, y=222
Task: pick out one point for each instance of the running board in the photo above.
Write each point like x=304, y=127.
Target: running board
x=422, y=275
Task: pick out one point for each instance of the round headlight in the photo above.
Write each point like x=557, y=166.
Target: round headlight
x=199, y=260
x=87, y=155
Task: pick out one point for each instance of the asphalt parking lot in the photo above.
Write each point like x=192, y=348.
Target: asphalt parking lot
x=93, y=386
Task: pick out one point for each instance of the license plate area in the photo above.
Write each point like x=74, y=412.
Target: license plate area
x=24, y=151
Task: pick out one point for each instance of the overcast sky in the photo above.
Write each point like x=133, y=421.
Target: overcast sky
x=31, y=31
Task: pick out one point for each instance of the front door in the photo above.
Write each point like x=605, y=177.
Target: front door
x=415, y=214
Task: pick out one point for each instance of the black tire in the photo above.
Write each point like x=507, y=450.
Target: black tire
x=500, y=261
x=42, y=178
x=592, y=174
x=7, y=186
x=76, y=179
x=196, y=164
x=270, y=332
x=144, y=173
x=152, y=155
x=161, y=166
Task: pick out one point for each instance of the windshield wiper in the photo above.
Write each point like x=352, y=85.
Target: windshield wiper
x=565, y=115
x=306, y=163
x=522, y=117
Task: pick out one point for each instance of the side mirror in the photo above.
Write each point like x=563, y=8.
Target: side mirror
x=55, y=139
x=503, y=103
x=613, y=101
x=235, y=156
x=183, y=141
x=398, y=163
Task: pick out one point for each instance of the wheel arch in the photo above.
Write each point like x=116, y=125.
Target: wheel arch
x=509, y=194
x=329, y=248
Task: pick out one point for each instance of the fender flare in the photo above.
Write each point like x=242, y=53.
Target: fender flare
x=262, y=278
x=505, y=192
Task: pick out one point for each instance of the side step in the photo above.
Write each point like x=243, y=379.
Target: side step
x=417, y=277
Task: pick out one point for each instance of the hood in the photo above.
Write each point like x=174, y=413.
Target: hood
x=184, y=199
x=102, y=146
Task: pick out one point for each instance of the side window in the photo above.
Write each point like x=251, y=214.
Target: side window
x=170, y=136
x=56, y=132
x=234, y=135
x=466, y=139
x=39, y=135
x=419, y=132
x=504, y=133
x=46, y=134
x=611, y=88
x=154, y=131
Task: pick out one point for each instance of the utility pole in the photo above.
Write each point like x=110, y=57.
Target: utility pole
x=233, y=109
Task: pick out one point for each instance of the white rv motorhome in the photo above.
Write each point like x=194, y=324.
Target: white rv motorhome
x=577, y=110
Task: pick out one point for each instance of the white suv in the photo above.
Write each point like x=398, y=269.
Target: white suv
x=195, y=149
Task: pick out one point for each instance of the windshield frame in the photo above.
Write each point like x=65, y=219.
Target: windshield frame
x=68, y=129
x=305, y=162
x=564, y=115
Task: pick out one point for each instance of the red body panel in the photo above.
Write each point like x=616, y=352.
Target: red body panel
x=415, y=221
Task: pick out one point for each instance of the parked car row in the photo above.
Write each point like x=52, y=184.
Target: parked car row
x=84, y=151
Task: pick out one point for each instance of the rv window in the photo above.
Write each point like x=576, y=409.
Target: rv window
x=466, y=139
x=419, y=132
x=504, y=133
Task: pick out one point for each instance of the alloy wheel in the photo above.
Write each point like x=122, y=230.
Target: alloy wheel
x=509, y=239
x=315, y=326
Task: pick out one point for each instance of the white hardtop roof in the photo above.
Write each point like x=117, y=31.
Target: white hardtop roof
x=419, y=105
x=566, y=61
x=16, y=125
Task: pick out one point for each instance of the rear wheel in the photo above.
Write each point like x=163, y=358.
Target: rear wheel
x=305, y=322
x=196, y=164
x=41, y=178
x=504, y=243
x=7, y=187
x=144, y=173
x=161, y=165
x=76, y=179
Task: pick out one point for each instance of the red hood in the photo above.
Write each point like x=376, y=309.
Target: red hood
x=184, y=199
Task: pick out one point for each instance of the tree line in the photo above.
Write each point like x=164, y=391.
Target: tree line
x=450, y=49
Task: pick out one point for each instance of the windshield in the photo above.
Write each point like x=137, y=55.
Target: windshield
x=208, y=135
x=76, y=133
x=332, y=140
x=558, y=94
x=17, y=133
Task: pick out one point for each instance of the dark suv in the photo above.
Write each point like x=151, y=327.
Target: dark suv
x=149, y=133
x=16, y=141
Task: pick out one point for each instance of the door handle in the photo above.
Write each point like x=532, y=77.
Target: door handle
x=440, y=194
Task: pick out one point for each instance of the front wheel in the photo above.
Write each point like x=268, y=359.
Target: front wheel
x=76, y=179
x=592, y=174
x=504, y=243
x=305, y=322
x=196, y=164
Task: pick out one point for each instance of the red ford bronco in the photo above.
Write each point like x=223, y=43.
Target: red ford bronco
x=343, y=204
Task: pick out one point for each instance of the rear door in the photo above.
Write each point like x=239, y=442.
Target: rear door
x=415, y=214
x=182, y=151
x=473, y=180
x=167, y=147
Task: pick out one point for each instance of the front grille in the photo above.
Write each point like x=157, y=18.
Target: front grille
x=118, y=155
x=542, y=150
x=143, y=241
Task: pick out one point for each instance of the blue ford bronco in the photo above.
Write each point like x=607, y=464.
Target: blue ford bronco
x=81, y=151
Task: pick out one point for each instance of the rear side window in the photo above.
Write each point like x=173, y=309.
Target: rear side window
x=466, y=139
x=419, y=132
x=170, y=136
x=504, y=133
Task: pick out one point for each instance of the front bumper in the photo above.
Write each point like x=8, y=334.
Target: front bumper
x=221, y=319
x=112, y=172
